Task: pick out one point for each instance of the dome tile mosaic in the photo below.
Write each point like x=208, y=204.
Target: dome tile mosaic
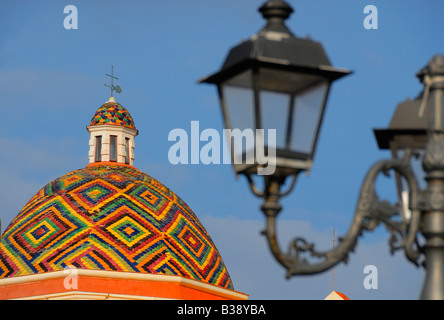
x=113, y=113
x=110, y=218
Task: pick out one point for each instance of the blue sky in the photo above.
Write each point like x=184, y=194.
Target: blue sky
x=51, y=84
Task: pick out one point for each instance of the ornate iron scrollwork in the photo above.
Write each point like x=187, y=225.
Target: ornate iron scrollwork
x=370, y=212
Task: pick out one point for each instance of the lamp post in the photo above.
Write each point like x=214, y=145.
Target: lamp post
x=276, y=80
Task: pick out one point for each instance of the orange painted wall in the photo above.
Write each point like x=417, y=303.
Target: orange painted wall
x=113, y=286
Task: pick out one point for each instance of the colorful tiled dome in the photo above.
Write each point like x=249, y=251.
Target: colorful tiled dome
x=113, y=113
x=110, y=218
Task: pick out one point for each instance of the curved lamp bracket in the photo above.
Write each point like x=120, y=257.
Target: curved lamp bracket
x=370, y=212
x=262, y=194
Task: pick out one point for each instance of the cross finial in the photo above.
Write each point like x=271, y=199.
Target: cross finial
x=112, y=87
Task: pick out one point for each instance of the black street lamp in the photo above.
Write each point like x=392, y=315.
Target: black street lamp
x=278, y=81
x=407, y=132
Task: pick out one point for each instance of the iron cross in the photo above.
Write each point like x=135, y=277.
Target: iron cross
x=112, y=87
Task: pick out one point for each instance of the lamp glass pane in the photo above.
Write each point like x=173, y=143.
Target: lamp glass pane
x=307, y=114
x=239, y=102
x=239, y=110
x=274, y=114
x=292, y=103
